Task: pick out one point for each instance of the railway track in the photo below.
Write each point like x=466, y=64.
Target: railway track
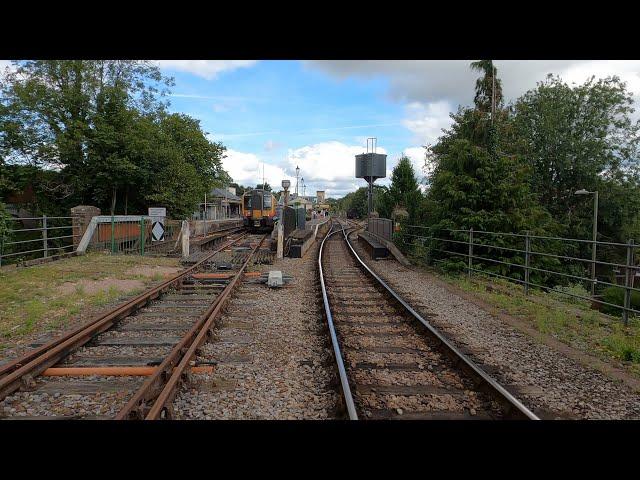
x=128, y=363
x=391, y=362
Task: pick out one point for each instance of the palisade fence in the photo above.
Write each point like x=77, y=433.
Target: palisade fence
x=130, y=234
x=544, y=262
x=32, y=238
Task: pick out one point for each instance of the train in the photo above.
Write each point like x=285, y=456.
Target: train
x=259, y=210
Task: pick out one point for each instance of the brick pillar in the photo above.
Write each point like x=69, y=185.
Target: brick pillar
x=80, y=218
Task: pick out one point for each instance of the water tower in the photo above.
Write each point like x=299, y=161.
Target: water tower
x=371, y=166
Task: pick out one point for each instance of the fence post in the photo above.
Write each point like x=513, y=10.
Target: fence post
x=627, y=292
x=44, y=235
x=527, y=250
x=142, y=235
x=470, y=251
x=113, y=237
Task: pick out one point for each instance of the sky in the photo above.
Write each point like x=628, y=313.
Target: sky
x=317, y=115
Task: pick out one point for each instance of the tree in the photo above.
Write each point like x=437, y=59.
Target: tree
x=403, y=192
x=357, y=201
x=479, y=180
x=487, y=86
x=264, y=186
x=104, y=127
x=53, y=109
x=582, y=136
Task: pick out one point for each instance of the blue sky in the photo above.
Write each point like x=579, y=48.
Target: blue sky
x=318, y=114
x=273, y=109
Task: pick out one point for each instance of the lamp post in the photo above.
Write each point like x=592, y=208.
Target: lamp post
x=303, y=187
x=582, y=191
x=297, y=173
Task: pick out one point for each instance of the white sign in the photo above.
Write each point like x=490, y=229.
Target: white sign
x=157, y=212
x=157, y=232
x=157, y=216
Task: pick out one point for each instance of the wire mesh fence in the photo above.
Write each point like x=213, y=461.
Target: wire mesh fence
x=31, y=238
x=535, y=261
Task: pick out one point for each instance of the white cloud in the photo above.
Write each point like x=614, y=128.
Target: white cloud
x=247, y=169
x=328, y=166
x=208, y=69
x=427, y=121
x=271, y=145
x=220, y=108
x=6, y=66
x=454, y=81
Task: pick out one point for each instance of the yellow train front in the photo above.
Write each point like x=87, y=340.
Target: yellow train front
x=259, y=210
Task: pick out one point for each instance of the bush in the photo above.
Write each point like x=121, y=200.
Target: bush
x=564, y=293
x=615, y=295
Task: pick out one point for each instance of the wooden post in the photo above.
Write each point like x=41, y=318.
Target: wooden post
x=185, y=238
x=280, y=248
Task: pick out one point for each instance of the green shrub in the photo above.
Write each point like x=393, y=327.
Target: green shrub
x=615, y=295
x=565, y=294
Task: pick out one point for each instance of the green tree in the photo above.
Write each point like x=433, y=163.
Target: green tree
x=403, y=193
x=479, y=180
x=53, y=109
x=266, y=186
x=582, y=136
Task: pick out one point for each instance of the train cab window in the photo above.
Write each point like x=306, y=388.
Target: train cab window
x=267, y=200
x=256, y=200
x=247, y=202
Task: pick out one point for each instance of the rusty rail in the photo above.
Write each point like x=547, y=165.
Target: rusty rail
x=168, y=373
x=34, y=362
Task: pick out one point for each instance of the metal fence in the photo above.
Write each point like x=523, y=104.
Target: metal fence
x=543, y=262
x=130, y=234
x=382, y=227
x=31, y=238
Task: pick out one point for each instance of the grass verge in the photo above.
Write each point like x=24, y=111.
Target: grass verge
x=45, y=297
x=570, y=322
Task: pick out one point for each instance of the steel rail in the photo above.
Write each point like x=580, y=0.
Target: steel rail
x=36, y=361
x=342, y=372
x=190, y=342
x=509, y=401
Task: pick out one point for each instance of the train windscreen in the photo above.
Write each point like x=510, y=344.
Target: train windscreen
x=256, y=200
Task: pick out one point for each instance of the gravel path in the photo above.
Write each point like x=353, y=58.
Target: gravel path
x=273, y=359
x=545, y=380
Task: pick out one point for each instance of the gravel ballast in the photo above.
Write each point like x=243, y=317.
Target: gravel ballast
x=546, y=380
x=271, y=353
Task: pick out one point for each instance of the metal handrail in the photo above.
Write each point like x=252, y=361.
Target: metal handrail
x=527, y=267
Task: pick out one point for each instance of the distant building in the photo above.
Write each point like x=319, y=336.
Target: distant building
x=320, y=196
x=300, y=201
x=220, y=204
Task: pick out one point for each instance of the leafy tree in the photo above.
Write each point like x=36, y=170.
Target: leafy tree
x=485, y=86
x=357, y=201
x=103, y=125
x=479, y=180
x=264, y=186
x=582, y=136
x=403, y=192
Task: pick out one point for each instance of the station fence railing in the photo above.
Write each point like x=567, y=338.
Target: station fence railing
x=543, y=262
x=131, y=234
x=31, y=238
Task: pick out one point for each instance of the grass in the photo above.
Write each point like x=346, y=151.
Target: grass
x=571, y=322
x=31, y=299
